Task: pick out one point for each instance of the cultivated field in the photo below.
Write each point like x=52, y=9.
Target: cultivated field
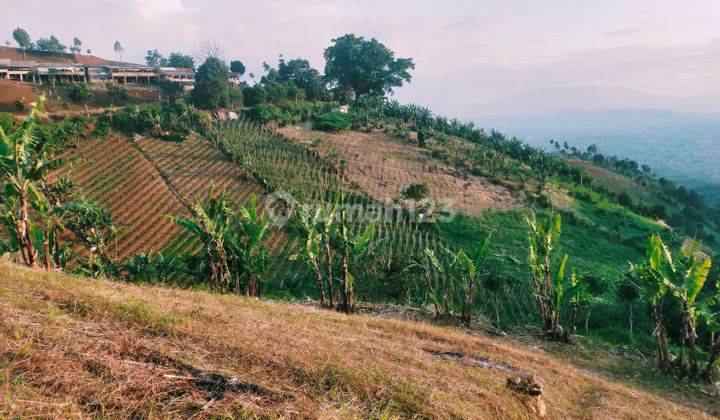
x=141, y=183
x=384, y=167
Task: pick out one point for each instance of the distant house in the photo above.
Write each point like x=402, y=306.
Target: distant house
x=95, y=71
x=235, y=79
x=31, y=71
x=134, y=75
x=185, y=76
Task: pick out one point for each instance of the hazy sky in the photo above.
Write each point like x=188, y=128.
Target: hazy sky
x=466, y=52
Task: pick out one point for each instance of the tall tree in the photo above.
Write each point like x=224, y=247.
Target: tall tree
x=22, y=38
x=77, y=46
x=365, y=67
x=211, y=85
x=180, y=60
x=118, y=48
x=154, y=59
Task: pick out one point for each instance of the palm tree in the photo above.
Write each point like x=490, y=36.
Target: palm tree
x=25, y=160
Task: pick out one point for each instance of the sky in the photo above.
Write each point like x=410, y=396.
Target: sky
x=466, y=52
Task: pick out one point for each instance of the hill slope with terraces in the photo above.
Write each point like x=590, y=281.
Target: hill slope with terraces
x=143, y=182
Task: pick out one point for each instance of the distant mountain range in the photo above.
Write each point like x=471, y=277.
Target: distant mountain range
x=681, y=146
x=593, y=98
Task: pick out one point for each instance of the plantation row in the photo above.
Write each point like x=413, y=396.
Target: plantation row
x=112, y=172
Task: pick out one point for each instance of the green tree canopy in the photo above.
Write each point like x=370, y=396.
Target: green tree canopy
x=154, y=59
x=366, y=67
x=298, y=72
x=77, y=46
x=177, y=59
x=50, y=44
x=118, y=48
x=21, y=36
x=211, y=85
x=237, y=66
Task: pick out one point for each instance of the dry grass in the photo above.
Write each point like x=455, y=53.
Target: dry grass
x=72, y=346
x=383, y=167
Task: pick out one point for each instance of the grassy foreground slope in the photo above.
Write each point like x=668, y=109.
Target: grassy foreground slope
x=74, y=346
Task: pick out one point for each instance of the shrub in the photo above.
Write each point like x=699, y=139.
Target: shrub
x=333, y=121
x=264, y=113
x=116, y=91
x=172, y=91
x=19, y=105
x=6, y=122
x=80, y=93
x=235, y=94
x=625, y=199
x=416, y=191
x=254, y=95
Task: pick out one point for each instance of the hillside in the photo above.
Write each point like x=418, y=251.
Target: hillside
x=384, y=167
x=58, y=102
x=17, y=54
x=141, y=183
x=79, y=347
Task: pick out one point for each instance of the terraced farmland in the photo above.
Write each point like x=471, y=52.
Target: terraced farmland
x=117, y=175
x=141, y=183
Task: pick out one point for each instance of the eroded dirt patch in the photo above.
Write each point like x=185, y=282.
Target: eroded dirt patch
x=383, y=167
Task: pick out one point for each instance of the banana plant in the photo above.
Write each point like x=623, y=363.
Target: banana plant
x=542, y=240
x=210, y=224
x=248, y=255
x=709, y=310
x=654, y=291
x=94, y=228
x=681, y=278
x=426, y=263
x=329, y=230
x=351, y=245
x=310, y=251
x=576, y=293
x=25, y=160
x=470, y=269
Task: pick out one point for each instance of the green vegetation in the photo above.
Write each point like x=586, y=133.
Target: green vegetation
x=38, y=209
x=117, y=92
x=211, y=85
x=340, y=247
x=80, y=93
x=180, y=60
x=416, y=191
x=233, y=248
x=365, y=67
x=332, y=122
